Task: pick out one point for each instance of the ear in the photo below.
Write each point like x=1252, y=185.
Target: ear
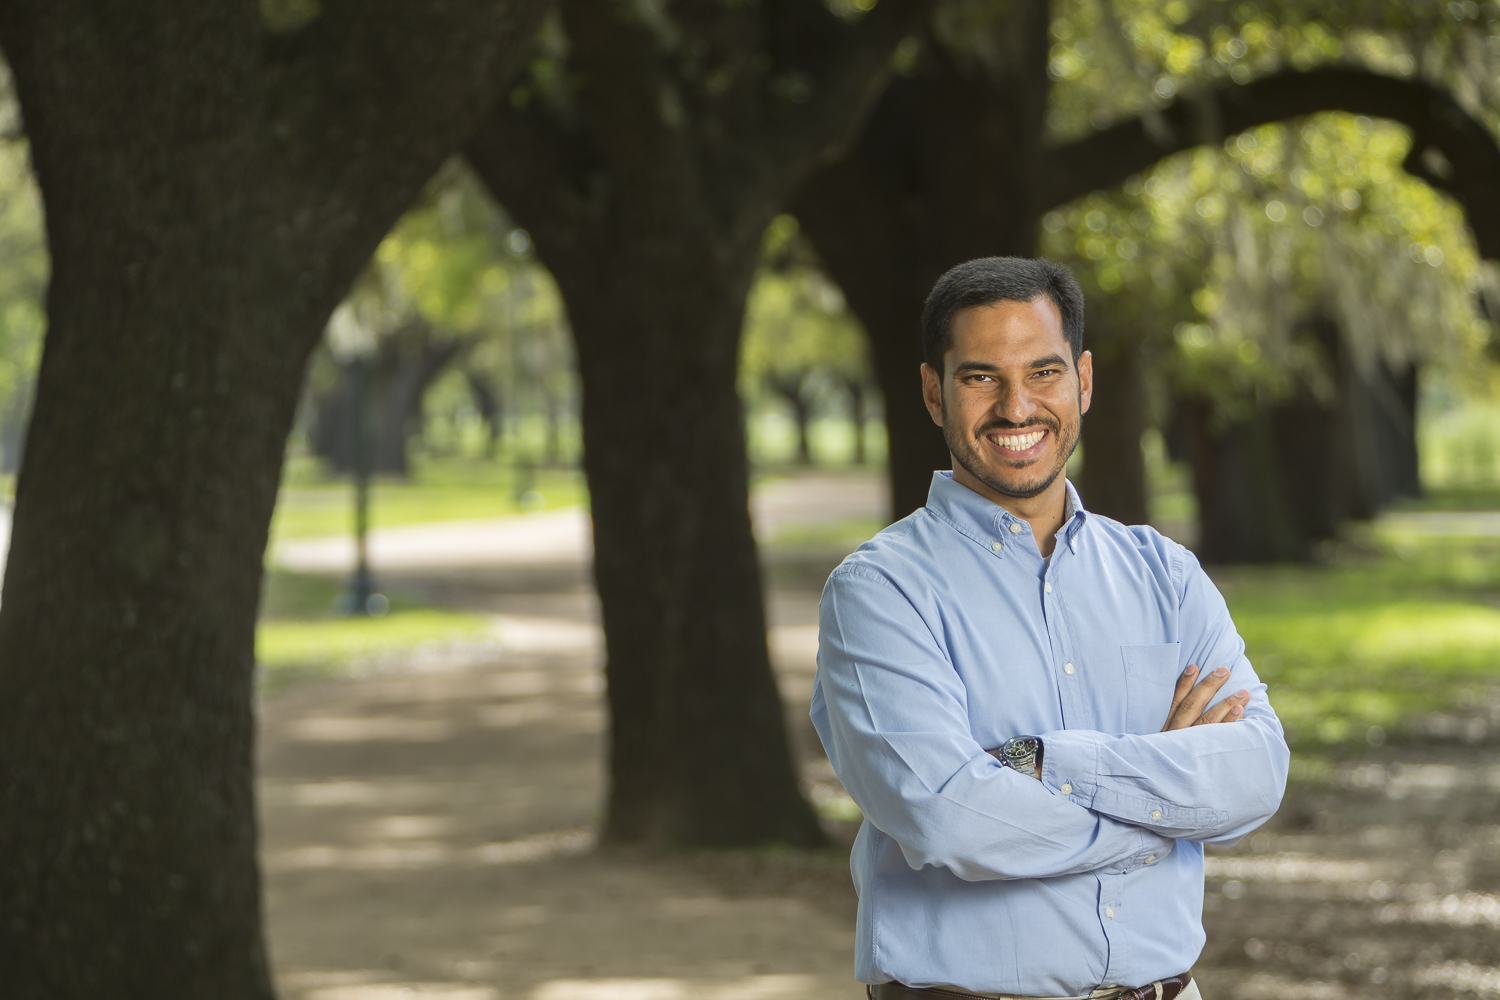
x=1085, y=381
x=932, y=393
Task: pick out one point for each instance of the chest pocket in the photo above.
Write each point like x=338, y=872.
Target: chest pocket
x=1151, y=674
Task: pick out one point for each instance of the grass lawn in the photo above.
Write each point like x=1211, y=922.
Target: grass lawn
x=1392, y=629
x=1408, y=627
x=449, y=489
x=301, y=632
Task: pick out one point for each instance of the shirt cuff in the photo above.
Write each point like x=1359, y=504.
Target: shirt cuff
x=1070, y=764
x=1071, y=767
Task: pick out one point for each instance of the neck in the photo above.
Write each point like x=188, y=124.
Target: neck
x=1044, y=512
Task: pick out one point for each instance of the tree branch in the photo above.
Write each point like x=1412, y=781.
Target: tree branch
x=365, y=80
x=540, y=169
x=1450, y=149
x=848, y=80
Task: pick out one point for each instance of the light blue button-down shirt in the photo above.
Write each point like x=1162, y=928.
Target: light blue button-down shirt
x=947, y=634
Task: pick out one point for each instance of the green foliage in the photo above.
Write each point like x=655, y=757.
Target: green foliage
x=455, y=270
x=1219, y=259
x=1118, y=58
x=24, y=268
x=801, y=346
x=796, y=322
x=300, y=633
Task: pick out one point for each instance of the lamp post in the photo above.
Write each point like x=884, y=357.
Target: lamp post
x=361, y=588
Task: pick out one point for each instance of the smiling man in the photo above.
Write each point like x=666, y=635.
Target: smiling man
x=1009, y=688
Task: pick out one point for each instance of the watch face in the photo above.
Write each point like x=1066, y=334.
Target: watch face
x=1022, y=748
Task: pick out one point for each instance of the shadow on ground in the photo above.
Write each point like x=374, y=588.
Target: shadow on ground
x=428, y=831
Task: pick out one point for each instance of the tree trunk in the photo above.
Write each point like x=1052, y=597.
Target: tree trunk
x=403, y=368
x=1243, y=510
x=648, y=185
x=944, y=172
x=128, y=739
x=789, y=388
x=204, y=215
x=1270, y=488
x=698, y=751
x=486, y=398
x=1378, y=438
x=857, y=394
x=1114, y=470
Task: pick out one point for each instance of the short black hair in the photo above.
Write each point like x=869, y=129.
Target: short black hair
x=989, y=280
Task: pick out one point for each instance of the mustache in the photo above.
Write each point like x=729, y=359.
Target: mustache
x=1008, y=425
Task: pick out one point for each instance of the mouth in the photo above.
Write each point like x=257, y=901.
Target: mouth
x=1018, y=444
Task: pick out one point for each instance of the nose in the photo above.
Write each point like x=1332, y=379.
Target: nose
x=1014, y=402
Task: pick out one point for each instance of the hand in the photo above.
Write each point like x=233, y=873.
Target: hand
x=1188, y=701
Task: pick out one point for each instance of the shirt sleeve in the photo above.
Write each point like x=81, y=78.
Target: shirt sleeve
x=890, y=709
x=1212, y=783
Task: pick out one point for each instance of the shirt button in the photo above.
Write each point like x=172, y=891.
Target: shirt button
x=1066, y=789
x=1067, y=668
x=996, y=547
x=1109, y=911
x=1015, y=527
x=1156, y=814
x=1150, y=858
x=1047, y=587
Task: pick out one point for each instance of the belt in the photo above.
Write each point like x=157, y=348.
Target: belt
x=1162, y=989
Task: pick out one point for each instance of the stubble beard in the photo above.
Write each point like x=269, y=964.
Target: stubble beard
x=966, y=452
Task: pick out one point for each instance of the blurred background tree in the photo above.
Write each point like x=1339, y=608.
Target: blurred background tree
x=1332, y=274
x=803, y=351
x=1004, y=111
x=467, y=336
x=647, y=152
x=1281, y=214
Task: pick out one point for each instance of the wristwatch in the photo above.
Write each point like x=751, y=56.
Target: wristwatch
x=1022, y=753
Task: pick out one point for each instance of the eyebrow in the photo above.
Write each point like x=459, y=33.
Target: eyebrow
x=983, y=367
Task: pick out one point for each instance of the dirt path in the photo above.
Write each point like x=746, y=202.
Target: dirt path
x=429, y=833
x=433, y=831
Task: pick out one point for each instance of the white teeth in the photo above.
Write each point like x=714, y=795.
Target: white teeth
x=1018, y=442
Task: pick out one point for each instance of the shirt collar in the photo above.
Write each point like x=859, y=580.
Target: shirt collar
x=986, y=521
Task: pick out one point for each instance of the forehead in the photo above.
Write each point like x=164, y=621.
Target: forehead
x=1009, y=331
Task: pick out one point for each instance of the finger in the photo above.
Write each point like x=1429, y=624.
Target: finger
x=1184, y=685
x=1231, y=709
x=1197, y=700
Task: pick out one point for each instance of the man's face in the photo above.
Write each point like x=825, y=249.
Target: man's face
x=1009, y=399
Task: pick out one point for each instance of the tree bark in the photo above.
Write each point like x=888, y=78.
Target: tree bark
x=697, y=730
x=1114, y=471
x=210, y=193
x=647, y=191
x=1243, y=510
x=944, y=172
x=1273, y=486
